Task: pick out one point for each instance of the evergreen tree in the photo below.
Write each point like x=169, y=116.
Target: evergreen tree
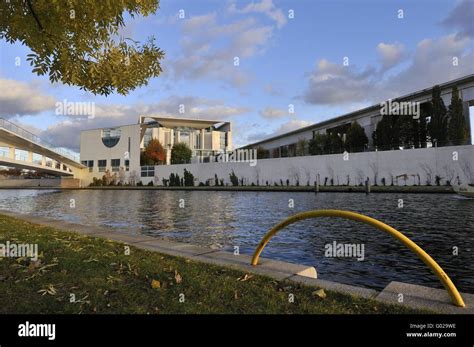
x=335, y=143
x=387, y=133
x=406, y=127
x=319, y=144
x=457, y=128
x=437, y=127
x=356, y=139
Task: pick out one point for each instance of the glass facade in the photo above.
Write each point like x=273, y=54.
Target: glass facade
x=147, y=171
x=110, y=137
x=102, y=164
x=115, y=163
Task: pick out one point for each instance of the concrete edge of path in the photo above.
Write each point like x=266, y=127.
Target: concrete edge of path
x=414, y=296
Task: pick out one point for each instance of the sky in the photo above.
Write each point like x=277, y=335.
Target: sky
x=300, y=62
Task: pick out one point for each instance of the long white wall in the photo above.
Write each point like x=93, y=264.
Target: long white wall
x=420, y=165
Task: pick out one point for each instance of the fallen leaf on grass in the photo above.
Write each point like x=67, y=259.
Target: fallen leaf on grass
x=155, y=284
x=244, y=278
x=90, y=260
x=49, y=290
x=319, y=293
x=111, y=279
x=34, y=264
x=177, y=277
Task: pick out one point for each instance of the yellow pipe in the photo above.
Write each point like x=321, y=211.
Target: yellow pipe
x=425, y=257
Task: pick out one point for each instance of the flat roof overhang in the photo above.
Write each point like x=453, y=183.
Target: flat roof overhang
x=182, y=122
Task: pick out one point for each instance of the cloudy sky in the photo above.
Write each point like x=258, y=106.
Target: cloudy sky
x=330, y=58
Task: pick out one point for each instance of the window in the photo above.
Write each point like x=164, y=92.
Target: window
x=147, y=171
x=102, y=164
x=115, y=163
x=283, y=151
x=291, y=150
x=198, y=140
x=89, y=164
x=184, y=136
x=110, y=137
x=127, y=165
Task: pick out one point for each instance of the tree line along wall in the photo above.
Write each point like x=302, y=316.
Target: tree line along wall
x=424, y=166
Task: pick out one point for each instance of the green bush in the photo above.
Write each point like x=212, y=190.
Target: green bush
x=234, y=179
x=188, y=178
x=181, y=154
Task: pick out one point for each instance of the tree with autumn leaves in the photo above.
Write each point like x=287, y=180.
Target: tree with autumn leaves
x=77, y=42
x=154, y=154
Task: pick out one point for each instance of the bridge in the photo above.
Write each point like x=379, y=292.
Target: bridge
x=22, y=149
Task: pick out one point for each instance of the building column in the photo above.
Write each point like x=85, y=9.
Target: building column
x=30, y=156
x=11, y=152
x=43, y=160
x=202, y=134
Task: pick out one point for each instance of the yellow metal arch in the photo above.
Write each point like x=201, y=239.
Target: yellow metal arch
x=425, y=257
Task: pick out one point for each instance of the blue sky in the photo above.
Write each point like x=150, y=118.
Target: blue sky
x=283, y=61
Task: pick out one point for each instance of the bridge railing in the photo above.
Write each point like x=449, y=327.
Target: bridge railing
x=35, y=139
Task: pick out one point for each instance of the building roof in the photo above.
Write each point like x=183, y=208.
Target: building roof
x=366, y=110
x=182, y=122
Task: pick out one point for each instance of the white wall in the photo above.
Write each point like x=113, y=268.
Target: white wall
x=92, y=147
x=438, y=161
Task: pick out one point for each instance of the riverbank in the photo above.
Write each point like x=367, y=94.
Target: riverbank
x=309, y=189
x=102, y=277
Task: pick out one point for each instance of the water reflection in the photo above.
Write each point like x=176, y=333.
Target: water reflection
x=227, y=219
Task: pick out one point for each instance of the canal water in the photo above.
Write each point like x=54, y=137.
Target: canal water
x=439, y=223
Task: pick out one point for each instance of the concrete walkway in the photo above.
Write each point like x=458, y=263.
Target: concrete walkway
x=414, y=296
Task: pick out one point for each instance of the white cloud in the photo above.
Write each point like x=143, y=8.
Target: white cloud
x=332, y=83
x=461, y=18
x=291, y=125
x=273, y=112
x=66, y=133
x=431, y=63
x=209, y=49
x=391, y=54
x=266, y=7
x=19, y=98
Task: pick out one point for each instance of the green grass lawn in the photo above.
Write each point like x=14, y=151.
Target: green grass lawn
x=104, y=279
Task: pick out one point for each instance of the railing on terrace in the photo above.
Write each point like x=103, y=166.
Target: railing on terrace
x=35, y=139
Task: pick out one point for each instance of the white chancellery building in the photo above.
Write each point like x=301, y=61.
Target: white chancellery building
x=120, y=147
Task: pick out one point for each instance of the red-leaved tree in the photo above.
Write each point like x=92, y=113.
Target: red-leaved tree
x=154, y=153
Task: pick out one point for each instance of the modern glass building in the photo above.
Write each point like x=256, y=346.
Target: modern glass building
x=120, y=147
